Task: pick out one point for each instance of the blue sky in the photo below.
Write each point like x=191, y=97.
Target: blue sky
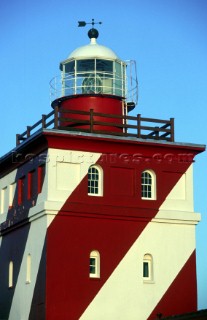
x=167, y=38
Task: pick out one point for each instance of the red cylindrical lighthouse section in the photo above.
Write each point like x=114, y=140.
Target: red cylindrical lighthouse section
x=103, y=112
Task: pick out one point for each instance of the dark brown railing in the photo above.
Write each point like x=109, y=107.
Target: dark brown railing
x=128, y=126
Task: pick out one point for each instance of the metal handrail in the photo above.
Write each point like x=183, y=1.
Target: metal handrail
x=96, y=82
x=86, y=82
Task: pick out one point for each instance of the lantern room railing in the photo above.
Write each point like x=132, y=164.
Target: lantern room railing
x=86, y=83
x=130, y=126
x=97, y=82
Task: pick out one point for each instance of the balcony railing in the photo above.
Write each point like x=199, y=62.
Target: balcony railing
x=128, y=126
x=122, y=84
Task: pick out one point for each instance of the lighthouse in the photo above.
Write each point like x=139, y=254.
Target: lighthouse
x=97, y=217
x=94, y=78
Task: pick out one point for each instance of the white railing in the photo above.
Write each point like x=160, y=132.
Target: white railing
x=131, y=81
x=86, y=83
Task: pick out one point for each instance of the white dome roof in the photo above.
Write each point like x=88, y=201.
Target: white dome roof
x=93, y=50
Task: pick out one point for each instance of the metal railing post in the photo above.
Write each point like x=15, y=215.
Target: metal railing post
x=91, y=120
x=56, y=117
x=157, y=129
x=17, y=139
x=43, y=121
x=139, y=126
x=28, y=131
x=172, y=129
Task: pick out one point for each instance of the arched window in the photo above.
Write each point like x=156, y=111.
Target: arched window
x=28, y=269
x=147, y=267
x=94, y=270
x=148, y=182
x=11, y=271
x=95, y=181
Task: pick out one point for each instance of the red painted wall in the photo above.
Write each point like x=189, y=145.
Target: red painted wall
x=99, y=103
x=181, y=296
x=109, y=224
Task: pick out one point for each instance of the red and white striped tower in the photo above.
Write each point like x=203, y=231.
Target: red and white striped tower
x=97, y=218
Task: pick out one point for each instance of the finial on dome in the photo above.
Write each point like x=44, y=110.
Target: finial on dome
x=92, y=33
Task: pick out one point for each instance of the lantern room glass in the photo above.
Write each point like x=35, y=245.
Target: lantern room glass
x=93, y=76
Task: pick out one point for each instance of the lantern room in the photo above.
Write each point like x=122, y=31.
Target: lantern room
x=93, y=69
x=94, y=78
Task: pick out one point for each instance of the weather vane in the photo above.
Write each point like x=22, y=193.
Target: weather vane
x=83, y=23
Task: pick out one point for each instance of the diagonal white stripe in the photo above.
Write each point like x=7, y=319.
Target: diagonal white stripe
x=53, y=197
x=170, y=242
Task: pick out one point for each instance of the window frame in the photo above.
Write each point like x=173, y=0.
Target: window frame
x=148, y=260
x=99, y=181
x=151, y=185
x=41, y=172
x=21, y=185
x=12, y=188
x=31, y=192
x=4, y=200
x=11, y=274
x=96, y=256
x=28, y=268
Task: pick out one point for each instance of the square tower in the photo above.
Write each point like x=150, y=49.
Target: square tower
x=97, y=218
